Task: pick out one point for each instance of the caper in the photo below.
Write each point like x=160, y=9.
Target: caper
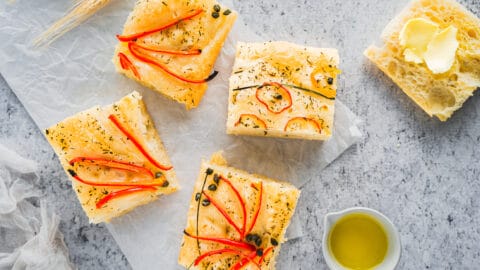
x=216, y=8
x=72, y=172
x=212, y=187
x=226, y=12
x=330, y=80
x=274, y=242
x=197, y=196
x=209, y=171
x=165, y=184
x=215, y=14
x=206, y=202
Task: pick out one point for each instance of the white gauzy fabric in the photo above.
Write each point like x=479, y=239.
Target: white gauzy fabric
x=76, y=73
x=30, y=239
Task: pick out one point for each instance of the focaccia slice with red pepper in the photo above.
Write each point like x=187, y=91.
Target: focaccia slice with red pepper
x=280, y=89
x=236, y=219
x=114, y=158
x=171, y=46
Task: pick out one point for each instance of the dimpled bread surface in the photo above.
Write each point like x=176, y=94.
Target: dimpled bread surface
x=201, y=32
x=278, y=204
x=91, y=134
x=306, y=72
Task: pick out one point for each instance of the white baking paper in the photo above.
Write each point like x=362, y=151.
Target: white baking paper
x=30, y=235
x=76, y=73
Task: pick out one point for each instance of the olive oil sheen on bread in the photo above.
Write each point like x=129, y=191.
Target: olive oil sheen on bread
x=358, y=241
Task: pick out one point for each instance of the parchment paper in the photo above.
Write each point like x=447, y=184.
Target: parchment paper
x=76, y=73
x=31, y=239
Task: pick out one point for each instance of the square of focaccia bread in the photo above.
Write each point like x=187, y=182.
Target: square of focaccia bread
x=206, y=32
x=269, y=206
x=92, y=135
x=280, y=89
x=438, y=95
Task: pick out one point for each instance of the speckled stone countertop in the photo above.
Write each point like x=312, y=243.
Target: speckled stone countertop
x=423, y=174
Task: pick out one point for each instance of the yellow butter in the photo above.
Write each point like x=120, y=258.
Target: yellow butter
x=440, y=54
x=415, y=37
x=423, y=41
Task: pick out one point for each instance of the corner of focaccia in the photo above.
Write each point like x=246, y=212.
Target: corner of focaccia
x=171, y=46
x=113, y=157
x=235, y=219
x=280, y=89
x=431, y=51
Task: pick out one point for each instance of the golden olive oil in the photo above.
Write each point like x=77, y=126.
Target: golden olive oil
x=358, y=241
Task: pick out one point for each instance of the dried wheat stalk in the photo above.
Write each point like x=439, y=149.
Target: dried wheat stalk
x=80, y=12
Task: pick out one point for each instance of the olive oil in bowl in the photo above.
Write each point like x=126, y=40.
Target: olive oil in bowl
x=358, y=241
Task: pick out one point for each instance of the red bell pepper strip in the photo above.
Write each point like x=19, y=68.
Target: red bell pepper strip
x=228, y=242
x=259, y=205
x=246, y=260
x=305, y=119
x=242, y=203
x=174, y=52
x=133, y=47
x=117, y=123
x=120, y=165
x=122, y=61
x=121, y=193
x=114, y=184
x=127, y=64
x=254, y=117
x=280, y=86
x=132, y=37
x=224, y=213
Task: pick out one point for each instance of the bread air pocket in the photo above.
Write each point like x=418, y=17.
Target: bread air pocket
x=431, y=51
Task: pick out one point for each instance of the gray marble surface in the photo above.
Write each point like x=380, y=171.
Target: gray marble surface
x=423, y=174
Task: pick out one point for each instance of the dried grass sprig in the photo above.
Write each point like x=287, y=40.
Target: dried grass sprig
x=80, y=12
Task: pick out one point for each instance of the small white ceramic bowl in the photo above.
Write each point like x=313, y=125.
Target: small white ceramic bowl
x=394, y=250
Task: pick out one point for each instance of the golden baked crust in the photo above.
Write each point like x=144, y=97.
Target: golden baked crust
x=278, y=202
x=202, y=32
x=280, y=89
x=438, y=95
x=92, y=134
